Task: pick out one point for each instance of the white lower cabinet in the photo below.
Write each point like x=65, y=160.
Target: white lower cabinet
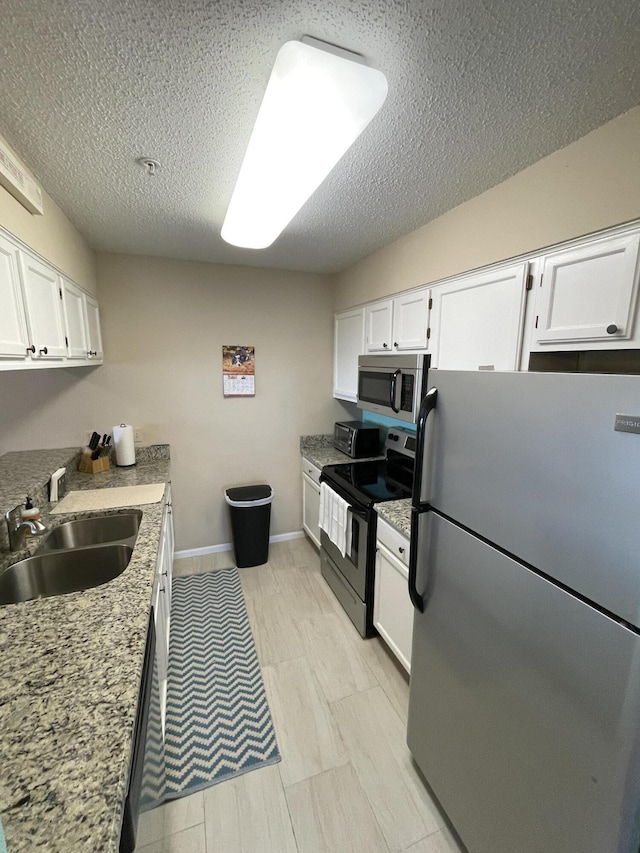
x=392, y=608
x=162, y=601
x=311, y=500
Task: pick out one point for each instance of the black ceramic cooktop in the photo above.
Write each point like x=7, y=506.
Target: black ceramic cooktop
x=375, y=481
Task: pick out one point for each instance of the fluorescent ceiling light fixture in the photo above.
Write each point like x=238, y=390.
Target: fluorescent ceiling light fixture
x=318, y=101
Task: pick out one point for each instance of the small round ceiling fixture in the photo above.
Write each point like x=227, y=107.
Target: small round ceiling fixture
x=152, y=166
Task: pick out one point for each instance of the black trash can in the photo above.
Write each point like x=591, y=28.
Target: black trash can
x=250, y=510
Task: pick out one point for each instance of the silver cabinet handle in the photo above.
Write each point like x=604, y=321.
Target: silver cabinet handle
x=612, y=329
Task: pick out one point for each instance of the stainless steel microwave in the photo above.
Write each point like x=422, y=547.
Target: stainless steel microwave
x=392, y=385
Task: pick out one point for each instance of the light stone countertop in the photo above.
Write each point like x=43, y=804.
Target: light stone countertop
x=319, y=450
x=70, y=672
x=397, y=514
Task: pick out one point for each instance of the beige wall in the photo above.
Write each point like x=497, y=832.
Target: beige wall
x=164, y=323
x=589, y=185
x=52, y=236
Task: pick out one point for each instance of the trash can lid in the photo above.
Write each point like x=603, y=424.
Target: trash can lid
x=249, y=495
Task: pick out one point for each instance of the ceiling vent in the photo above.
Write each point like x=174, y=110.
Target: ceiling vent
x=15, y=179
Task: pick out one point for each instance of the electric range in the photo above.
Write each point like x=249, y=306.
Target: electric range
x=363, y=485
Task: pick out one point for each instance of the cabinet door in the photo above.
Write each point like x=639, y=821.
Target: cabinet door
x=588, y=293
x=392, y=608
x=94, y=337
x=74, y=317
x=311, y=508
x=43, y=299
x=411, y=321
x=477, y=321
x=13, y=327
x=347, y=346
x=379, y=318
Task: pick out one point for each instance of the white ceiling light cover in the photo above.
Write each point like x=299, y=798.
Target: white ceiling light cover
x=315, y=106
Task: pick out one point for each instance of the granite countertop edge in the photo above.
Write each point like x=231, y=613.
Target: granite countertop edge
x=69, y=682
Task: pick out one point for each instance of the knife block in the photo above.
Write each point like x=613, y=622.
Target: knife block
x=87, y=465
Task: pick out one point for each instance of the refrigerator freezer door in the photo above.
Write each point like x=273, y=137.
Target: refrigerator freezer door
x=524, y=710
x=531, y=462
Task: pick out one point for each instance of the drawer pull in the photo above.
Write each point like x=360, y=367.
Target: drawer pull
x=401, y=550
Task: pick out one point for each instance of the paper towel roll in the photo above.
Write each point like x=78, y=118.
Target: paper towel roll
x=123, y=445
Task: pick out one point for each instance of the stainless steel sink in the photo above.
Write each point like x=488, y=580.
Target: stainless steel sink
x=60, y=572
x=93, y=531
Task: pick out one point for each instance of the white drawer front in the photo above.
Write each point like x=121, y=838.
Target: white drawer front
x=395, y=541
x=311, y=470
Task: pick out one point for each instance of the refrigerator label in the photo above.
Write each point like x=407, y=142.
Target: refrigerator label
x=627, y=423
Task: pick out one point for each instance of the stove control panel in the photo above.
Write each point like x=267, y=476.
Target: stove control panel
x=401, y=441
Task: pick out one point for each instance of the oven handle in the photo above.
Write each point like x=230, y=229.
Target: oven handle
x=394, y=383
x=357, y=512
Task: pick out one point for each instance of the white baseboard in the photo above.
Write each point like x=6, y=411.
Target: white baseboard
x=227, y=546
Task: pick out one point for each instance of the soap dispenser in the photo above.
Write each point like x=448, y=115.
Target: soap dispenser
x=30, y=512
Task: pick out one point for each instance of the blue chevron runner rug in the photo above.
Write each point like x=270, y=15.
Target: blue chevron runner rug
x=218, y=721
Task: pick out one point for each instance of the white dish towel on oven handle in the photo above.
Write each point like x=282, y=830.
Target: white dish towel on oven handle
x=334, y=518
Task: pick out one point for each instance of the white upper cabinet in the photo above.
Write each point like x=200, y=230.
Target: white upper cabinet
x=43, y=301
x=75, y=321
x=379, y=323
x=588, y=294
x=13, y=327
x=94, y=337
x=411, y=320
x=399, y=324
x=477, y=320
x=46, y=320
x=348, y=344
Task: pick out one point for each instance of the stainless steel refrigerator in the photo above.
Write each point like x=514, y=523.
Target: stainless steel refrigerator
x=524, y=711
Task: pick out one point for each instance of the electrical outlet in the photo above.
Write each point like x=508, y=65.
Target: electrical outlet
x=138, y=436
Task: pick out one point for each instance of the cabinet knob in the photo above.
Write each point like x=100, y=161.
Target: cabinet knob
x=612, y=329
x=395, y=343
x=31, y=348
x=385, y=346
x=92, y=352
x=401, y=550
x=43, y=350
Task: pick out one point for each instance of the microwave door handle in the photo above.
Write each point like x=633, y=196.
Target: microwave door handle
x=394, y=383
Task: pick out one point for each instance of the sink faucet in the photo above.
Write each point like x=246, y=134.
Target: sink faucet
x=18, y=528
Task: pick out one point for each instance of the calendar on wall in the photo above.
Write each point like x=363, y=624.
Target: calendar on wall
x=238, y=371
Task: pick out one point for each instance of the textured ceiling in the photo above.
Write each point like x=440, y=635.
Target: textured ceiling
x=478, y=90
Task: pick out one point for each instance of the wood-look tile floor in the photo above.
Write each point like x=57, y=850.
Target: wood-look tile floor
x=346, y=781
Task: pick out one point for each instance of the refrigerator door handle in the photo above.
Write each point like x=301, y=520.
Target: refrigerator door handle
x=428, y=405
x=394, y=384
x=414, y=595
